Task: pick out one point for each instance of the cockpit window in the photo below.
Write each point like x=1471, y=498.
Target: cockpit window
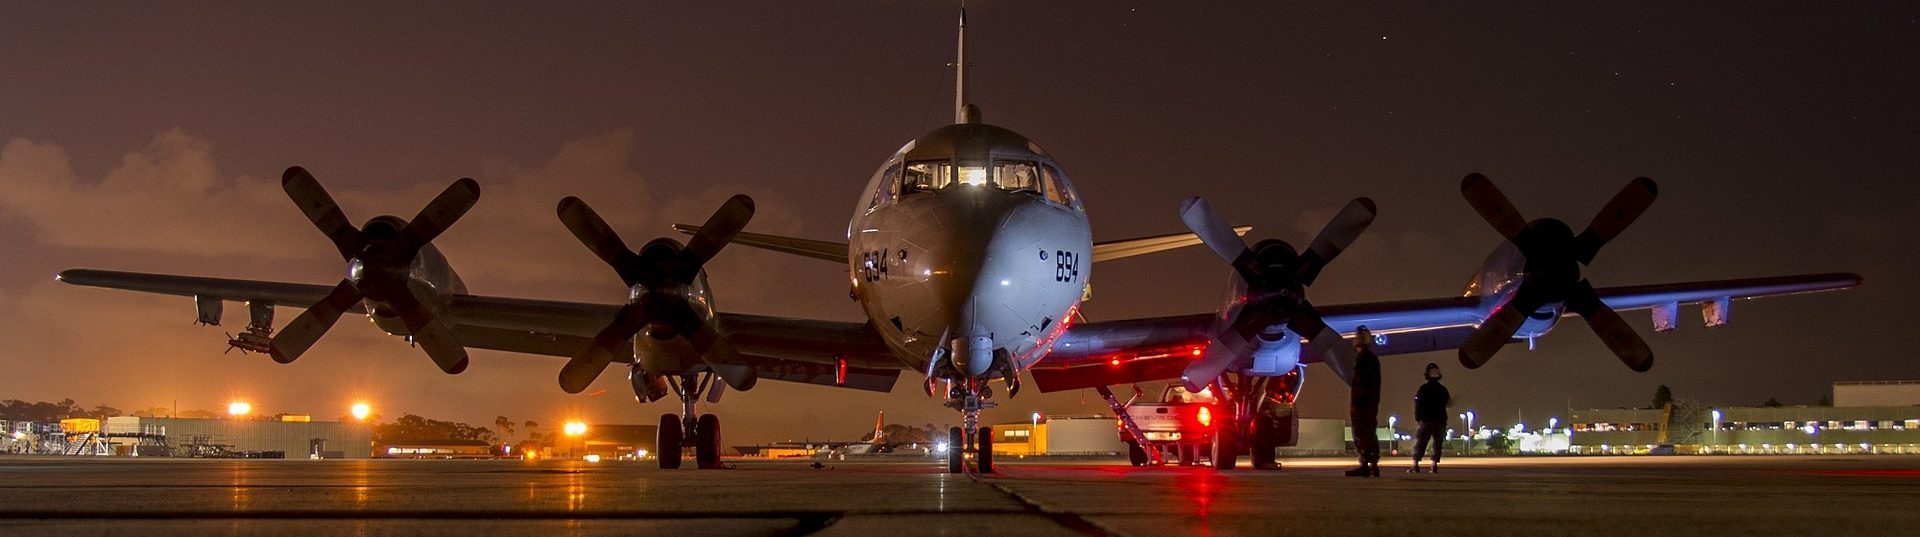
x=889, y=186
x=1058, y=188
x=1040, y=178
x=927, y=175
x=1017, y=175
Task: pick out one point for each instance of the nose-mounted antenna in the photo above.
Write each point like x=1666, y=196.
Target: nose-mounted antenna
x=962, y=111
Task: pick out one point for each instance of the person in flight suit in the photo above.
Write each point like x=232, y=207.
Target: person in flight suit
x=1430, y=409
x=1364, y=410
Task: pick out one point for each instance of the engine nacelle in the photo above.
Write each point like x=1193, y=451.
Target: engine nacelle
x=665, y=353
x=1276, y=355
x=1499, y=276
x=432, y=279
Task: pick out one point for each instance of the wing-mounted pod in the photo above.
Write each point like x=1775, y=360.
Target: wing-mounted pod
x=668, y=298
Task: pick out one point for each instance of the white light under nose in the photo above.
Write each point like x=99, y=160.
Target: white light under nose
x=1006, y=282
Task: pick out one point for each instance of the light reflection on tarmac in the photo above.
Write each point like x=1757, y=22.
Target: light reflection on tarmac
x=1555, y=496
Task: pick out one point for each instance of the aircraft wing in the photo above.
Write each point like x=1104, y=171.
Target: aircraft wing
x=816, y=249
x=793, y=350
x=1121, y=249
x=1159, y=348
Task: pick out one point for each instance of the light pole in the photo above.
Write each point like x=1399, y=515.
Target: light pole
x=1469, y=417
x=1033, y=436
x=1716, y=428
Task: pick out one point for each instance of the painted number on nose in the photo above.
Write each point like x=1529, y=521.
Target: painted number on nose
x=1066, y=266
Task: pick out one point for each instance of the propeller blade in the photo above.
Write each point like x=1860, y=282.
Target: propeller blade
x=1222, y=351
x=442, y=212
x=1336, y=237
x=1620, y=212
x=713, y=347
x=305, y=330
x=1324, y=341
x=720, y=229
x=592, y=231
x=1492, y=205
x=1212, y=229
x=586, y=366
x=320, y=209
x=1498, y=329
x=1619, y=336
x=432, y=335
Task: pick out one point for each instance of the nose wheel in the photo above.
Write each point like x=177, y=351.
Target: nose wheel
x=970, y=397
x=680, y=431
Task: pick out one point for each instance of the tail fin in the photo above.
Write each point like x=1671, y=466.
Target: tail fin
x=880, y=428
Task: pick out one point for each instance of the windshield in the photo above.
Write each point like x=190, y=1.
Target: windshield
x=1016, y=175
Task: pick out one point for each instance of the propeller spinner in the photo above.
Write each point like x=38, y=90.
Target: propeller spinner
x=1276, y=277
x=663, y=269
x=378, y=258
x=1553, y=259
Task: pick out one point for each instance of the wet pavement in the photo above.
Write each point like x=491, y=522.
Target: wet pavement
x=1568, y=495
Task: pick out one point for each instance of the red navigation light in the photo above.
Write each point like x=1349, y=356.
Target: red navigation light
x=840, y=372
x=1205, y=417
x=1198, y=350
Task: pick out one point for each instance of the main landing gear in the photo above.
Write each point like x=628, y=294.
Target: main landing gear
x=677, y=432
x=969, y=396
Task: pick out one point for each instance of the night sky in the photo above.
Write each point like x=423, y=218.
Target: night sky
x=150, y=137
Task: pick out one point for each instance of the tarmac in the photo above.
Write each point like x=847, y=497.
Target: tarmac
x=1658, y=495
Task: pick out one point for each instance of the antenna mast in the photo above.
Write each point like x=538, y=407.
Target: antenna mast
x=960, y=72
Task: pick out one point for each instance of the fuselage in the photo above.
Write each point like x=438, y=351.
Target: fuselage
x=969, y=251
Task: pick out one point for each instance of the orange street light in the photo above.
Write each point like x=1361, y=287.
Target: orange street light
x=239, y=409
x=361, y=411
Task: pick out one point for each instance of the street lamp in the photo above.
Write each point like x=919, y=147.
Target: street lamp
x=1033, y=435
x=1469, y=417
x=1716, y=427
x=1552, y=423
x=239, y=409
x=361, y=411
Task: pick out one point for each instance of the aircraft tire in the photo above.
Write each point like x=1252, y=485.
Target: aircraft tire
x=983, y=450
x=706, y=449
x=1262, y=443
x=1226, y=447
x=667, y=442
x=956, y=450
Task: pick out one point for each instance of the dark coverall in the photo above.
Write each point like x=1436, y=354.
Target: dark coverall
x=1365, y=408
x=1430, y=409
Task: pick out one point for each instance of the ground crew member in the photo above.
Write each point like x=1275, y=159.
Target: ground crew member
x=1364, y=412
x=1430, y=409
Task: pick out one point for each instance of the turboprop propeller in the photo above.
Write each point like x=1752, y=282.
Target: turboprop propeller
x=379, y=258
x=1553, y=259
x=661, y=275
x=1276, y=278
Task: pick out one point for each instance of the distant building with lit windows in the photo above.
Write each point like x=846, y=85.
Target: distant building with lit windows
x=1867, y=417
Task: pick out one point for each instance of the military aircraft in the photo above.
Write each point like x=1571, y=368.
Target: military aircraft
x=970, y=252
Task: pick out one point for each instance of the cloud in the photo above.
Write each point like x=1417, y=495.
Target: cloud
x=165, y=197
x=169, y=198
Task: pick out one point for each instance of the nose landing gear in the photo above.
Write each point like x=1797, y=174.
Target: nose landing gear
x=969, y=396
x=677, y=432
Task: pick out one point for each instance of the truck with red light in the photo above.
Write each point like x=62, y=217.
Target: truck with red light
x=1179, y=427
x=1257, y=417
